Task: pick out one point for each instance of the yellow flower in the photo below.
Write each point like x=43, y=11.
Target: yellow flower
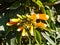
x=27, y=22
x=15, y=20
x=10, y=23
x=31, y=30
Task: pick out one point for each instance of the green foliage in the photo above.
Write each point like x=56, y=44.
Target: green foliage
x=48, y=38
x=38, y=37
x=15, y=5
x=9, y=35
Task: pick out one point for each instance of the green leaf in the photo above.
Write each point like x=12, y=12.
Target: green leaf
x=40, y=4
x=38, y=37
x=15, y=5
x=48, y=38
x=51, y=19
x=30, y=41
x=10, y=38
x=13, y=41
x=57, y=2
x=18, y=38
x=2, y=28
x=52, y=1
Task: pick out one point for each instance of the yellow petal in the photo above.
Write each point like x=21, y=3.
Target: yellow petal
x=15, y=20
x=28, y=16
x=23, y=32
x=31, y=30
x=19, y=16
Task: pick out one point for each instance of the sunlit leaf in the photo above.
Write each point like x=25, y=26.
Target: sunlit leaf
x=38, y=37
x=15, y=5
x=48, y=38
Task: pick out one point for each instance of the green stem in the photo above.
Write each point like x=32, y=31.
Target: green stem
x=55, y=38
x=29, y=41
x=20, y=40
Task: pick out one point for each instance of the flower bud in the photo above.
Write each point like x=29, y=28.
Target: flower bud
x=15, y=20
x=19, y=16
x=10, y=23
x=31, y=30
x=43, y=17
x=41, y=24
x=23, y=32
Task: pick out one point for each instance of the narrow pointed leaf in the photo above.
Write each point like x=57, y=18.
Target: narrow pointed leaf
x=15, y=5
x=38, y=37
x=48, y=38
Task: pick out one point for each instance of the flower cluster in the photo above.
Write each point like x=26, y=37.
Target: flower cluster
x=28, y=22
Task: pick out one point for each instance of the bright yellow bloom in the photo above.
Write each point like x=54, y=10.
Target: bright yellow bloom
x=10, y=23
x=23, y=32
x=31, y=30
x=15, y=20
